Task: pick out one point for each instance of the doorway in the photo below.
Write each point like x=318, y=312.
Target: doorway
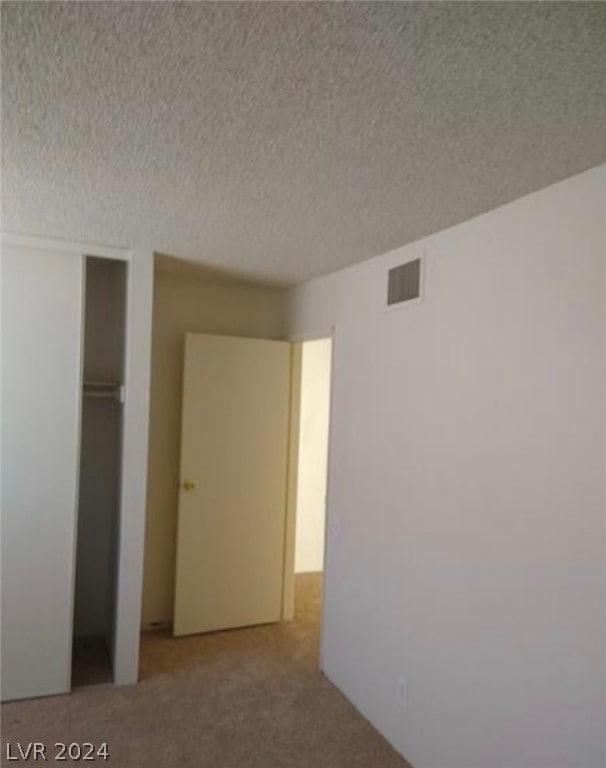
x=312, y=461
x=308, y=476
x=253, y=478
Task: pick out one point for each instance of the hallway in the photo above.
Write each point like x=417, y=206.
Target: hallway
x=249, y=698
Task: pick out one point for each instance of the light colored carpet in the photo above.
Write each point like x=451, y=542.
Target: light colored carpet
x=249, y=698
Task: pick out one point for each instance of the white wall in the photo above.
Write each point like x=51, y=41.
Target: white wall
x=312, y=456
x=183, y=303
x=466, y=494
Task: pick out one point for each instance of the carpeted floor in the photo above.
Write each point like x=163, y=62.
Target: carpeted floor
x=250, y=698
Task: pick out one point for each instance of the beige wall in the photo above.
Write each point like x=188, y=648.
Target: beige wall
x=184, y=303
x=313, y=456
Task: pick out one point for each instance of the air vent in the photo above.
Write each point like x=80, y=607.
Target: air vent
x=404, y=282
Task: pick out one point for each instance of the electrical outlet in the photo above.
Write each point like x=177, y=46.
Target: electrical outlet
x=403, y=692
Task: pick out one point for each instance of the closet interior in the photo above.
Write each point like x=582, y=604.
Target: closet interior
x=100, y=466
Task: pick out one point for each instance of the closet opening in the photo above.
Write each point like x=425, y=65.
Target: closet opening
x=98, y=519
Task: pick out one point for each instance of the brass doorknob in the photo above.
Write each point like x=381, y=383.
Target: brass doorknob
x=188, y=485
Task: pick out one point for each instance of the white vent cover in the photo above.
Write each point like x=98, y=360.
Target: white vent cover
x=404, y=282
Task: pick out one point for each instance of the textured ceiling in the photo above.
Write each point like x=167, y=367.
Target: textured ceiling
x=285, y=140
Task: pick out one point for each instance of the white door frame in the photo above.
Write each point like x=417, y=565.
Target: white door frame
x=140, y=275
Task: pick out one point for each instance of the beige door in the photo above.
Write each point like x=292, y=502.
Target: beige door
x=232, y=498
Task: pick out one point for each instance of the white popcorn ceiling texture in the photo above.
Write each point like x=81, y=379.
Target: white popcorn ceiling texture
x=286, y=140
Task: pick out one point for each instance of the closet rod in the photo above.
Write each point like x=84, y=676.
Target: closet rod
x=102, y=384
x=104, y=389
x=106, y=395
